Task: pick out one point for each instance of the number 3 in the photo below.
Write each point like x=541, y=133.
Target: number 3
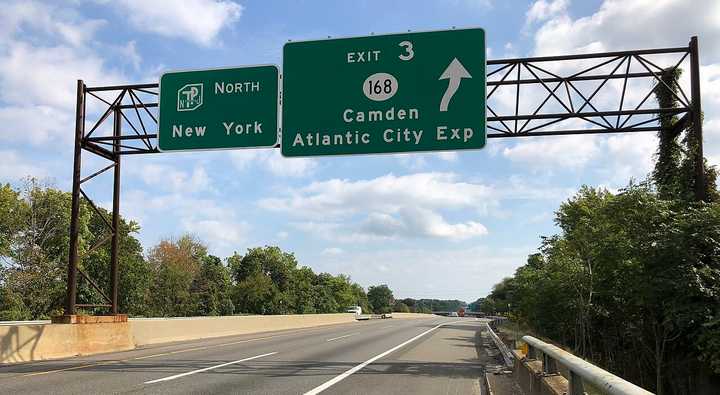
x=409, y=49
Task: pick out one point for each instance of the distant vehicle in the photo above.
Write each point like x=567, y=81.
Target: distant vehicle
x=453, y=314
x=461, y=312
x=354, y=309
x=386, y=315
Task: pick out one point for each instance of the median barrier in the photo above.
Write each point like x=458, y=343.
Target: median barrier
x=162, y=330
x=35, y=342
x=21, y=342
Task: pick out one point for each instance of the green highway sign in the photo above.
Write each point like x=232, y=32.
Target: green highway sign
x=382, y=94
x=219, y=108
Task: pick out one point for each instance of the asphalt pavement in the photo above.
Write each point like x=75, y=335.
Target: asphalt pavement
x=391, y=356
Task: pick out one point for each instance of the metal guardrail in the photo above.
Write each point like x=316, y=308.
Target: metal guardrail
x=506, y=354
x=580, y=370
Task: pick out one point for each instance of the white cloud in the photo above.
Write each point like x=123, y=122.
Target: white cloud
x=449, y=156
x=332, y=251
x=632, y=156
x=46, y=19
x=423, y=160
x=414, y=272
x=273, y=161
x=564, y=151
x=131, y=55
x=198, y=21
x=54, y=72
x=340, y=197
x=157, y=174
x=617, y=158
x=619, y=25
x=220, y=233
x=38, y=81
x=35, y=124
x=623, y=24
x=215, y=223
x=387, y=207
x=14, y=167
x=542, y=10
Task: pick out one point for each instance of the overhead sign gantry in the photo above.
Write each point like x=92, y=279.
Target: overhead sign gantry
x=132, y=110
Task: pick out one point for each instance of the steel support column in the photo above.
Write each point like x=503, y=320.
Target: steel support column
x=75, y=205
x=114, y=247
x=696, y=113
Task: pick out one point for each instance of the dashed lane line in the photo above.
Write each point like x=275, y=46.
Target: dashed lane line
x=177, y=376
x=340, y=337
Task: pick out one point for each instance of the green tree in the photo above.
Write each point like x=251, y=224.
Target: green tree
x=632, y=282
x=380, y=298
x=12, y=307
x=400, y=307
x=36, y=260
x=274, y=264
x=674, y=172
x=12, y=210
x=175, y=264
x=135, y=273
x=212, y=288
x=255, y=294
x=302, y=300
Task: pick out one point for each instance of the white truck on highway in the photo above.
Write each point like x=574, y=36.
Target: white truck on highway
x=354, y=309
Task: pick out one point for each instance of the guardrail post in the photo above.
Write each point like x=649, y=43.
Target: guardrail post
x=531, y=354
x=575, y=384
x=549, y=365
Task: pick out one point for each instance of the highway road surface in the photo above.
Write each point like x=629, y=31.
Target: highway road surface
x=392, y=356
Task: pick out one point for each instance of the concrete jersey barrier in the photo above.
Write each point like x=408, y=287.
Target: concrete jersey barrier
x=32, y=341
x=162, y=330
x=35, y=342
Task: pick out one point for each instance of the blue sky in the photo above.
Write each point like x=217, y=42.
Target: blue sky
x=446, y=225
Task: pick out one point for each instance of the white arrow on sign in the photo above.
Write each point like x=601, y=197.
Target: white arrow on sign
x=455, y=72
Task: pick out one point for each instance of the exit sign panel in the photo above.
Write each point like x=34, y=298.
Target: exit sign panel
x=218, y=109
x=383, y=94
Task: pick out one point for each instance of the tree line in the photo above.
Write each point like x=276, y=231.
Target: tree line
x=410, y=305
x=632, y=280
x=177, y=277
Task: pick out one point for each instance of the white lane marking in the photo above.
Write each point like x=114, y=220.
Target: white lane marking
x=347, y=373
x=115, y=361
x=208, y=368
x=340, y=337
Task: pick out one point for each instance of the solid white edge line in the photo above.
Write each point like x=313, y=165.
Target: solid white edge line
x=343, y=376
x=340, y=337
x=208, y=368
